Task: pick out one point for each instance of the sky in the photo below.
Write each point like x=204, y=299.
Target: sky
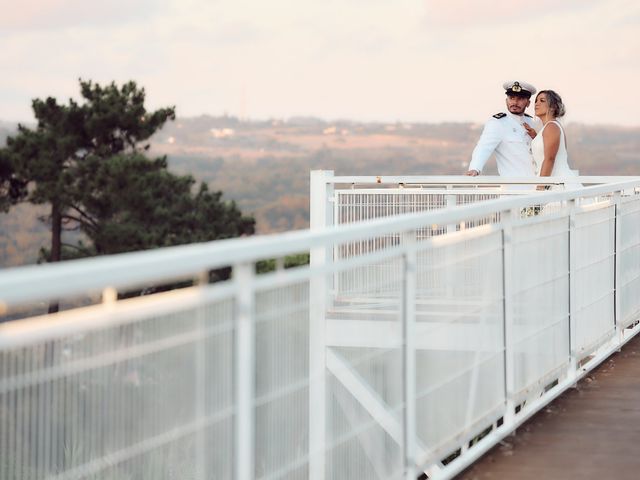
x=362, y=60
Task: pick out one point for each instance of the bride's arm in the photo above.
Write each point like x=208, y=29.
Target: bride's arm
x=551, y=141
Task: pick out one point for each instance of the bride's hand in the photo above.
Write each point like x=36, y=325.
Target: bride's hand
x=530, y=131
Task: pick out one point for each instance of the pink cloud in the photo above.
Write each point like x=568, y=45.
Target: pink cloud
x=57, y=14
x=464, y=13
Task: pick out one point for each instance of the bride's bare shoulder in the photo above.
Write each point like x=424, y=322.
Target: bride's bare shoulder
x=551, y=129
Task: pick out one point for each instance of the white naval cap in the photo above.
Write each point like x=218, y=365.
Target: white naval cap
x=519, y=89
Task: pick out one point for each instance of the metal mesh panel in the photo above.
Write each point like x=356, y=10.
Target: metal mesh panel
x=367, y=282
x=282, y=387
x=593, y=273
x=360, y=447
x=460, y=340
x=135, y=399
x=358, y=205
x=540, y=301
x=365, y=386
x=629, y=262
x=468, y=198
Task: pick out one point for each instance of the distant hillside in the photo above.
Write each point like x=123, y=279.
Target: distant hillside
x=264, y=165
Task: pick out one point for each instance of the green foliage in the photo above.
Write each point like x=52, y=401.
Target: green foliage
x=86, y=160
x=52, y=157
x=290, y=261
x=131, y=203
x=46, y=156
x=116, y=119
x=12, y=188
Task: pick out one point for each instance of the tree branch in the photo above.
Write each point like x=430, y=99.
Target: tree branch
x=86, y=218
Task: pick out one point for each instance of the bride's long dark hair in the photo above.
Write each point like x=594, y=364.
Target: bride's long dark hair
x=554, y=101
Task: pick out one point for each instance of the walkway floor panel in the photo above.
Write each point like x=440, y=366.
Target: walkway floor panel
x=589, y=432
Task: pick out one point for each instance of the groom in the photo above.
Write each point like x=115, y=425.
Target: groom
x=508, y=135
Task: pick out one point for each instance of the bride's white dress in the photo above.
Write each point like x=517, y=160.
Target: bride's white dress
x=561, y=165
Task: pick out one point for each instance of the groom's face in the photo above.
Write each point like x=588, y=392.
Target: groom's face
x=517, y=105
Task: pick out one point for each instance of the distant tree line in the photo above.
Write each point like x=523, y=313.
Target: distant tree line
x=87, y=162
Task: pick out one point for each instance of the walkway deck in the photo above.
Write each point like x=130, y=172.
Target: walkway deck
x=590, y=432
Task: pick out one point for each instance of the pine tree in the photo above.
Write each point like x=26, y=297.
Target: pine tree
x=51, y=157
x=87, y=161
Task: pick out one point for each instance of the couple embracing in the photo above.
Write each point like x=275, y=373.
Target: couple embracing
x=520, y=150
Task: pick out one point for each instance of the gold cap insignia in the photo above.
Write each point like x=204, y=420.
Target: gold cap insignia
x=516, y=87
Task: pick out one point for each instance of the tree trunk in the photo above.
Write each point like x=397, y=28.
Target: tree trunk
x=56, y=244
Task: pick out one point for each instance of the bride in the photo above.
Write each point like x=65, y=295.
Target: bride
x=549, y=147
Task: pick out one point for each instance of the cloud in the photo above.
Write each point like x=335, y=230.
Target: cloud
x=336, y=58
x=465, y=13
x=61, y=14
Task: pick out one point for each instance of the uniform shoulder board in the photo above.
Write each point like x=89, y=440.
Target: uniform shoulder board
x=527, y=115
x=500, y=115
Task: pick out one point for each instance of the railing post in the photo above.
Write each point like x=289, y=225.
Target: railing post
x=202, y=281
x=409, y=353
x=508, y=218
x=109, y=296
x=320, y=198
x=245, y=344
x=321, y=216
x=617, y=317
x=317, y=377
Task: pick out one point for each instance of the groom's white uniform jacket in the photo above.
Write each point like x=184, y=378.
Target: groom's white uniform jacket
x=505, y=135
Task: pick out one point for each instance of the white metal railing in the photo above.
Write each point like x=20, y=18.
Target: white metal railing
x=411, y=352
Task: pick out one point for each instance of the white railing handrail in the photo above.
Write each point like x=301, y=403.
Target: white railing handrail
x=128, y=270
x=478, y=180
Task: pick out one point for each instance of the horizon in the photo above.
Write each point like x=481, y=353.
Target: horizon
x=285, y=120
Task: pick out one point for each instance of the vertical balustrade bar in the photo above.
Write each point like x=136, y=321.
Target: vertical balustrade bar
x=573, y=325
x=244, y=455
x=16, y=428
x=508, y=315
x=409, y=351
x=4, y=406
x=450, y=202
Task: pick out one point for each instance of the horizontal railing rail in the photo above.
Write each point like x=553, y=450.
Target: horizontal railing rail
x=416, y=353
x=127, y=270
x=464, y=180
